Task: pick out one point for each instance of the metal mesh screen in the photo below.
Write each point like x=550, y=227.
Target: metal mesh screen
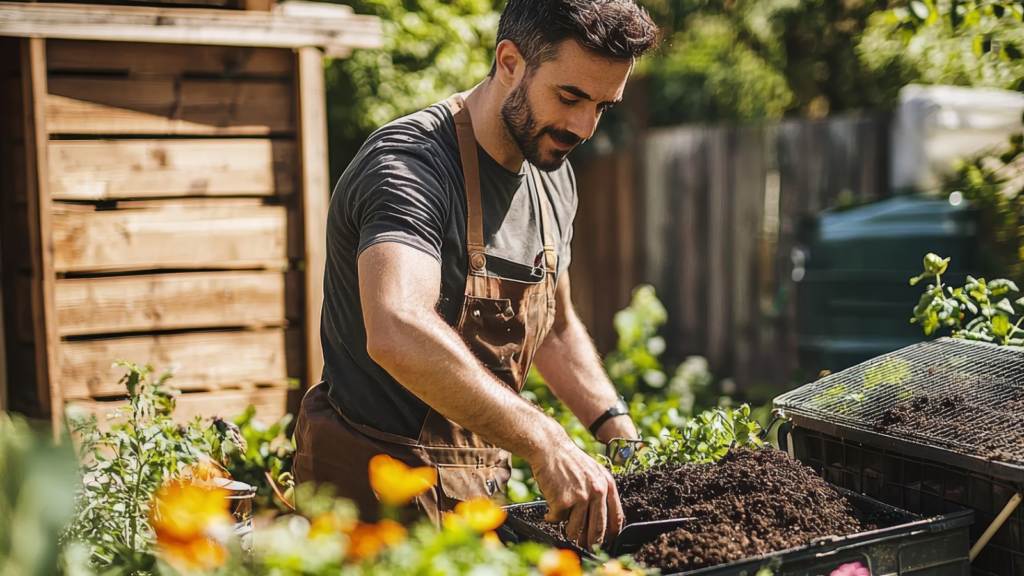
x=954, y=395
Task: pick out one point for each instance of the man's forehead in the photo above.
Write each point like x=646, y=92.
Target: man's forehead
x=598, y=77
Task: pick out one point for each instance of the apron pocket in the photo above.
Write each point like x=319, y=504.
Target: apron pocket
x=497, y=330
x=462, y=483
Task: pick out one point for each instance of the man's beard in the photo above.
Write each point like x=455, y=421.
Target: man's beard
x=522, y=128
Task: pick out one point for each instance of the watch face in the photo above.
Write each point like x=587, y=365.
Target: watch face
x=621, y=450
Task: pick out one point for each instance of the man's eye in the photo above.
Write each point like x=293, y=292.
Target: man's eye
x=567, y=101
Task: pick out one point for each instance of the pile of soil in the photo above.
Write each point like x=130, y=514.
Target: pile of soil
x=992, y=431
x=748, y=503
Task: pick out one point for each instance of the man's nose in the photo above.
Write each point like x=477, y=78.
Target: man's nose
x=583, y=124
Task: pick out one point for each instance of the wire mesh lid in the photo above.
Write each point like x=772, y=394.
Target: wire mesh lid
x=958, y=400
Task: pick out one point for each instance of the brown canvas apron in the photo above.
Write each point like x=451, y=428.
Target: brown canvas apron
x=502, y=321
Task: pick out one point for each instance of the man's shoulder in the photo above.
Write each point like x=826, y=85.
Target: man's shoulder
x=430, y=127
x=419, y=144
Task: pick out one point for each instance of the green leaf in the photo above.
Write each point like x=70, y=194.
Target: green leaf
x=920, y=10
x=1002, y=286
x=1004, y=305
x=1000, y=326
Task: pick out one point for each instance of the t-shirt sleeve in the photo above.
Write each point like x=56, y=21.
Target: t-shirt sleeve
x=399, y=196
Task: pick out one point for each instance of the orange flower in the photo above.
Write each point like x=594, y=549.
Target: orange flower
x=491, y=539
x=480, y=514
x=559, y=563
x=615, y=568
x=395, y=483
x=185, y=519
x=367, y=540
x=330, y=523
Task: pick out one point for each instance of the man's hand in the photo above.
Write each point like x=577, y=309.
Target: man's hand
x=579, y=490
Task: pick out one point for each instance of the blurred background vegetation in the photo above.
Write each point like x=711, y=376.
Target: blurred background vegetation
x=739, y=60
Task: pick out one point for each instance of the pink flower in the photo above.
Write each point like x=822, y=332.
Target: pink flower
x=851, y=569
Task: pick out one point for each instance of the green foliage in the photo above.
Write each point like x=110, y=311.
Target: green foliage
x=702, y=439
x=993, y=182
x=37, y=487
x=962, y=43
x=710, y=74
x=267, y=457
x=750, y=60
x=634, y=365
x=124, y=467
x=980, y=310
x=432, y=49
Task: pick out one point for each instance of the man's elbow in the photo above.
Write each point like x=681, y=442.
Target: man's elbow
x=381, y=342
x=388, y=335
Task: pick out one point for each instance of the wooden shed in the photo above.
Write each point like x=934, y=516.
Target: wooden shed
x=163, y=192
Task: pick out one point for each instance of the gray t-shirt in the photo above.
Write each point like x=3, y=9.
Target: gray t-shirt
x=406, y=185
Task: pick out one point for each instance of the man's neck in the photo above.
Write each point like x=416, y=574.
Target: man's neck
x=484, y=103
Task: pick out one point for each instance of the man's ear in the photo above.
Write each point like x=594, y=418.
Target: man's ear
x=510, y=65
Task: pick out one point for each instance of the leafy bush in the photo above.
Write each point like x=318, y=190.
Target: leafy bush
x=262, y=459
x=993, y=182
x=703, y=439
x=979, y=310
x=37, y=487
x=124, y=467
x=962, y=43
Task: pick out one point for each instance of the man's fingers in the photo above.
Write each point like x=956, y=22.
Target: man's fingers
x=615, y=516
x=557, y=513
x=576, y=529
x=598, y=519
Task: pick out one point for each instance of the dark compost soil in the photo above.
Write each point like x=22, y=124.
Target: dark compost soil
x=747, y=504
x=990, y=430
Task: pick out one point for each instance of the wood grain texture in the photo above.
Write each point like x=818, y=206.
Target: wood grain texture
x=169, y=235
x=40, y=224
x=315, y=198
x=269, y=403
x=723, y=254
x=206, y=361
x=168, y=105
x=136, y=58
x=153, y=302
x=292, y=24
x=118, y=169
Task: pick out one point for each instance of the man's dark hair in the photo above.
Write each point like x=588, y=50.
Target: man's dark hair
x=618, y=30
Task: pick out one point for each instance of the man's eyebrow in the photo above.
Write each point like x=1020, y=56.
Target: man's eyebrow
x=581, y=94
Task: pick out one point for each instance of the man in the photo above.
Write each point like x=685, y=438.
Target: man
x=447, y=248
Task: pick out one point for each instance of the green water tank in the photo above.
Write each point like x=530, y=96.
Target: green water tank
x=854, y=301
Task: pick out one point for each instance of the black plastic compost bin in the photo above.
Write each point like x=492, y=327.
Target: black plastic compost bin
x=834, y=430
x=904, y=544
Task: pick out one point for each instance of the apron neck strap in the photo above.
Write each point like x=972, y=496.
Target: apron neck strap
x=474, y=203
x=471, y=172
x=545, y=220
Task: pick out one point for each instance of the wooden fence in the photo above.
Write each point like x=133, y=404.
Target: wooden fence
x=721, y=208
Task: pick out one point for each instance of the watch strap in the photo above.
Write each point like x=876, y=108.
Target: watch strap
x=618, y=409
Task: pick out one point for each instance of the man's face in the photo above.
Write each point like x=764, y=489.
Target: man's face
x=556, y=106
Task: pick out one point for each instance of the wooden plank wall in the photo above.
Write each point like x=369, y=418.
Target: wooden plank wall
x=722, y=205
x=11, y=177
x=168, y=193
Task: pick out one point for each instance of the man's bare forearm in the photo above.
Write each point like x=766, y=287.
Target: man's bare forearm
x=572, y=368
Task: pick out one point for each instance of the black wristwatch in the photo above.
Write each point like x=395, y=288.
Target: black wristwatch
x=618, y=409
